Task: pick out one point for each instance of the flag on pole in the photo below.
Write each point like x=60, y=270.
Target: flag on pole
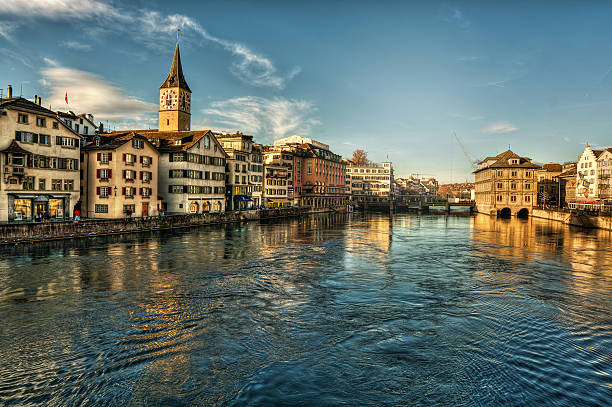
x=66, y=97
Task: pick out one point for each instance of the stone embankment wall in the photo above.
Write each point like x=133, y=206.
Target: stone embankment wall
x=575, y=219
x=30, y=232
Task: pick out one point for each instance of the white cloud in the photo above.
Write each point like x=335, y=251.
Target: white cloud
x=59, y=9
x=273, y=118
x=499, y=128
x=75, y=45
x=88, y=93
x=146, y=25
x=50, y=62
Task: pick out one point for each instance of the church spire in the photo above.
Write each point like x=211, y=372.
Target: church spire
x=175, y=78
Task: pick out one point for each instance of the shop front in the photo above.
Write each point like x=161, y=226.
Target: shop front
x=38, y=207
x=278, y=203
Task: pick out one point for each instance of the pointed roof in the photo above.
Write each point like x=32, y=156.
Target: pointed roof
x=175, y=77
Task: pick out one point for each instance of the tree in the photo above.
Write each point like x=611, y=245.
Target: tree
x=360, y=157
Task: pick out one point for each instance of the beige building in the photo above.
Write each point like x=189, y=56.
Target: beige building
x=604, y=174
x=279, y=157
x=239, y=148
x=120, y=177
x=256, y=176
x=39, y=162
x=276, y=185
x=506, y=185
x=370, y=182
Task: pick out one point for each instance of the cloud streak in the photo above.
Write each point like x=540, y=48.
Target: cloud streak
x=146, y=25
x=75, y=45
x=499, y=128
x=272, y=118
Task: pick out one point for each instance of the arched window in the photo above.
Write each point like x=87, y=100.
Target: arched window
x=206, y=206
x=193, y=207
x=217, y=206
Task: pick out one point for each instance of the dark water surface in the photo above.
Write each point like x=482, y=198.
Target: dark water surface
x=322, y=311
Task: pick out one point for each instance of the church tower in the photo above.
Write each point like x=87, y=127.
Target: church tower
x=175, y=98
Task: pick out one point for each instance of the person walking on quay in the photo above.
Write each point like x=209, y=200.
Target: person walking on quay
x=77, y=215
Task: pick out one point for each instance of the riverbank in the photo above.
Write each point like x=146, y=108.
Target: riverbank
x=37, y=232
x=574, y=219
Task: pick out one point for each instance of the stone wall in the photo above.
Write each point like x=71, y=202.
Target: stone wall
x=30, y=232
x=575, y=219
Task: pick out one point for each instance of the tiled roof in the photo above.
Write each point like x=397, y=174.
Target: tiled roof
x=552, y=167
x=19, y=103
x=166, y=140
x=502, y=161
x=113, y=141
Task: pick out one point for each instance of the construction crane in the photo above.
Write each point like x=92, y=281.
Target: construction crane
x=473, y=163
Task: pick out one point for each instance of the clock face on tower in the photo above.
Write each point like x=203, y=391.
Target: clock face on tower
x=168, y=99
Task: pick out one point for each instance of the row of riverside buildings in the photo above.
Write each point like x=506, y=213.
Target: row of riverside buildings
x=53, y=164
x=508, y=184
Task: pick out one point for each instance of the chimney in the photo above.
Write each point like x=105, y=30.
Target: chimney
x=9, y=92
x=36, y=99
x=39, y=101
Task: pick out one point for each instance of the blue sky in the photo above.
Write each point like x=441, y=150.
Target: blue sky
x=393, y=78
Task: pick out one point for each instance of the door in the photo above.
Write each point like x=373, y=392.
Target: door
x=39, y=210
x=145, y=209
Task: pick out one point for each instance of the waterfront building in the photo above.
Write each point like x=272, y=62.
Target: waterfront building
x=80, y=123
x=278, y=166
x=567, y=183
x=587, y=181
x=239, y=149
x=604, y=175
x=39, y=162
x=506, y=185
x=319, y=174
x=119, y=177
x=256, y=176
x=370, y=182
x=547, y=176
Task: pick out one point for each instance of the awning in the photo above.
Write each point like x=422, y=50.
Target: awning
x=278, y=200
x=243, y=198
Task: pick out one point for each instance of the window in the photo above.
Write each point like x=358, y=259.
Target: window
x=28, y=183
x=499, y=198
x=42, y=184
x=104, y=173
x=500, y=173
x=67, y=142
x=23, y=136
x=41, y=122
x=527, y=198
x=513, y=198
x=76, y=128
x=138, y=143
x=68, y=185
x=237, y=180
x=104, y=192
x=85, y=130
x=101, y=208
x=513, y=186
x=527, y=186
x=129, y=158
x=55, y=125
x=237, y=167
x=129, y=175
x=146, y=161
x=56, y=184
x=22, y=118
x=44, y=139
x=528, y=173
x=130, y=208
x=145, y=192
x=104, y=158
x=206, y=141
x=500, y=185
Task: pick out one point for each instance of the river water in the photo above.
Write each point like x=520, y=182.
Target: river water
x=335, y=310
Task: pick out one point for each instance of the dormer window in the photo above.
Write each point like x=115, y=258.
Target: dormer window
x=177, y=142
x=514, y=161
